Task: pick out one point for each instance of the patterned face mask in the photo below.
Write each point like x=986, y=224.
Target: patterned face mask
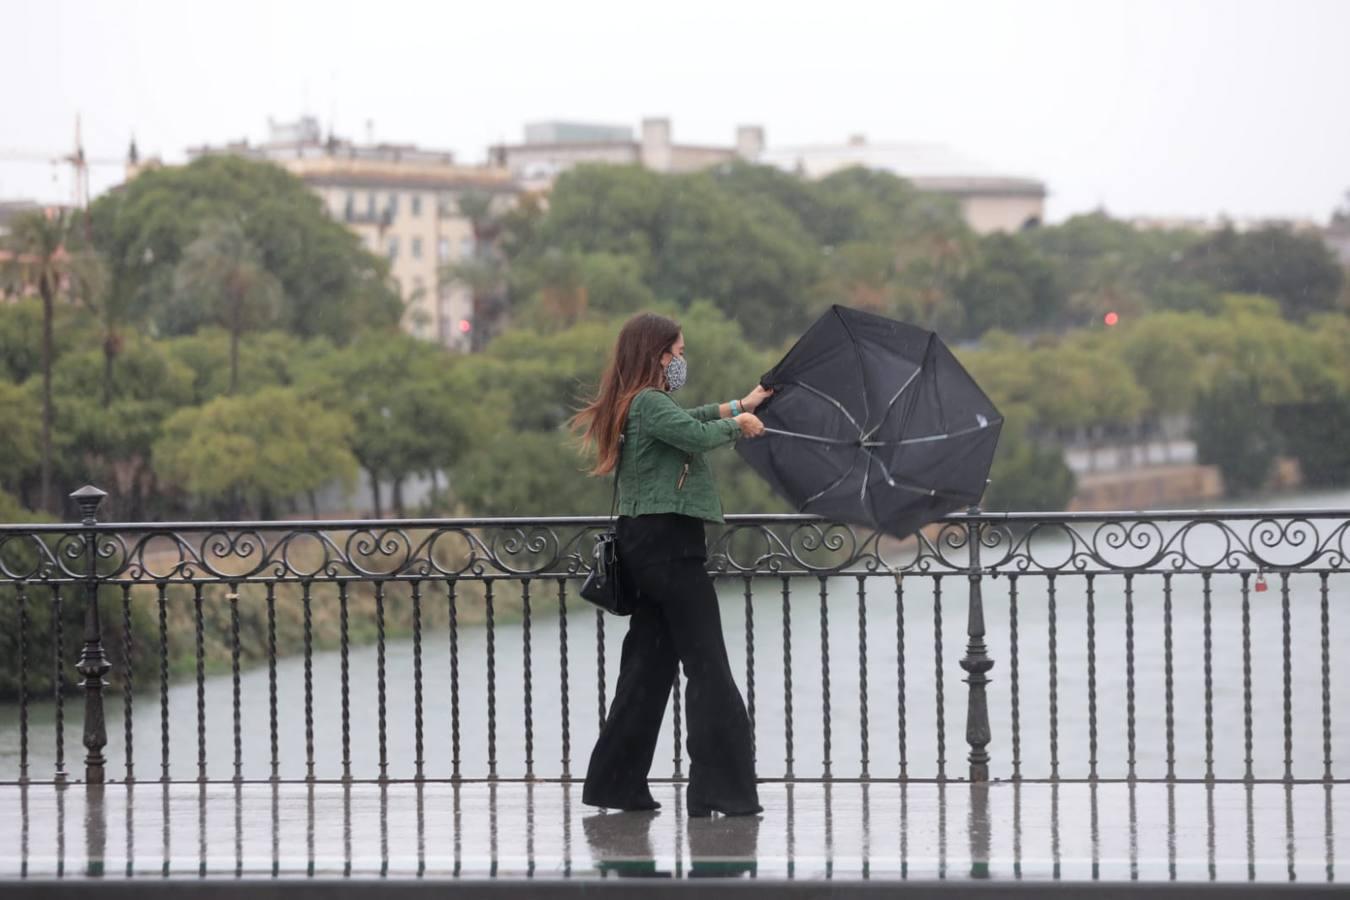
x=677, y=373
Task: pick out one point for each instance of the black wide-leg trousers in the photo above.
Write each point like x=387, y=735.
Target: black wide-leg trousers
x=675, y=621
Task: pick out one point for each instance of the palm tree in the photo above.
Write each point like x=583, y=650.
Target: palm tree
x=223, y=273
x=44, y=252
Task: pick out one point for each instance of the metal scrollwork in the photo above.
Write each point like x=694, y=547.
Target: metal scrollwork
x=1221, y=541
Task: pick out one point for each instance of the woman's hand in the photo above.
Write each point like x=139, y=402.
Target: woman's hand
x=753, y=399
x=750, y=424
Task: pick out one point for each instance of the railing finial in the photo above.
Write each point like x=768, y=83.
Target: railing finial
x=88, y=498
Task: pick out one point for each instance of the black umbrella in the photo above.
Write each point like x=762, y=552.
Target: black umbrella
x=873, y=422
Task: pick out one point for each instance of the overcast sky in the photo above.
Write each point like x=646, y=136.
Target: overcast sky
x=1184, y=107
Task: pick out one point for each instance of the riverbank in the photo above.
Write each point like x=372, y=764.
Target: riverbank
x=151, y=632
x=1162, y=486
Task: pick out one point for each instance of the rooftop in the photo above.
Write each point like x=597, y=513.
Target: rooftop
x=935, y=165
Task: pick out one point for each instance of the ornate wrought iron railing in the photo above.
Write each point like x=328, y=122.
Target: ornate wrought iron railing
x=1167, y=646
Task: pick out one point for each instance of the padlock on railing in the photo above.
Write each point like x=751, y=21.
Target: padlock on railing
x=1261, y=585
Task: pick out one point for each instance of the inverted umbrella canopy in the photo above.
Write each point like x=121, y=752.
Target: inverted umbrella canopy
x=874, y=422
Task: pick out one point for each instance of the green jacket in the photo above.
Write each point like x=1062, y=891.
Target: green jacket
x=662, y=467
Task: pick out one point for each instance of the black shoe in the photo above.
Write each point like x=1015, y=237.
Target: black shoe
x=699, y=810
x=633, y=804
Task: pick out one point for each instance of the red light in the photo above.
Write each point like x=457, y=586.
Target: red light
x=465, y=326
x=1110, y=318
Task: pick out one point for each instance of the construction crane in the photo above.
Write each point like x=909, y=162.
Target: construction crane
x=76, y=159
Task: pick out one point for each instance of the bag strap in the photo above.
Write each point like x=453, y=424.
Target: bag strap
x=614, y=500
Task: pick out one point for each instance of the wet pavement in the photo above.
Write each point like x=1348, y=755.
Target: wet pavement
x=1034, y=832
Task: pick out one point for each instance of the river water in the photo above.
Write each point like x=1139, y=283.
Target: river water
x=882, y=732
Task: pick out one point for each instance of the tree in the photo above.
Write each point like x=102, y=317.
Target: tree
x=221, y=279
x=412, y=411
x=330, y=285
x=21, y=335
x=690, y=237
x=266, y=447
x=109, y=442
x=20, y=437
x=1236, y=432
x=1011, y=287
x=269, y=358
x=1296, y=269
x=1105, y=264
x=47, y=252
x=1025, y=476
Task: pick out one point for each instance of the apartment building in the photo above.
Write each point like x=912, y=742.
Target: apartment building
x=551, y=148
x=403, y=203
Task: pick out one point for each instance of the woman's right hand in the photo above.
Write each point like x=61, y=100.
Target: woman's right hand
x=750, y=424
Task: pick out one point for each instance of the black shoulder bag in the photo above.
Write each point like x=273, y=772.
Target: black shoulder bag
x=604, y=585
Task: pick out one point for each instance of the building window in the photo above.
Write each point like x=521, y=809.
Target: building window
x=370, y=205
x=443, y=249
x=417, y=248
x=466, y=248
x=416, y=204
x=393, y=247
x=393, y=206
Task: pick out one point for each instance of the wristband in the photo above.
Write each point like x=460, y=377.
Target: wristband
x=735, y=408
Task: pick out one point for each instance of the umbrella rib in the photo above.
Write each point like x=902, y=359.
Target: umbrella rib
x=913, y=488
x=924, y=439
x=824, y=396
x=831, y=486
x=891, y=405
x=929, y=438
x=810, y=437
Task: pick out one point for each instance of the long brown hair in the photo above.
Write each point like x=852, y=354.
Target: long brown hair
x=634, y=365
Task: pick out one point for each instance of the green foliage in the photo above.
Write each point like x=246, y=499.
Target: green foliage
x=20, y=436
x=1106, y=265
x=1296, y=269
x=1012, y=286
x=221, y=281
x=1317, y=434
x=1026, y=476
x=330, y=285
x=544, y=477
x=225, y=257
x=267, y=446
x=21, y=336
x=1168, y=357
x=690, y=239
x=857, y=204
x=407, y=401
x=110, y=442
x=266, y=359
x=1236, y=433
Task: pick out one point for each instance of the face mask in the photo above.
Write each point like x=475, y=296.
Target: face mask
x=677, y=373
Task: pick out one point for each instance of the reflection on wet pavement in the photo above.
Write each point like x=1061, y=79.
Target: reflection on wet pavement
x=844, y=830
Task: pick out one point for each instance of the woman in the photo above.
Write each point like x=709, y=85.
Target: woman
x=666, y=493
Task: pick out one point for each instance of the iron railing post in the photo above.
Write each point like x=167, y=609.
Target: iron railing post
x=93, y=664
x=976, y=662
